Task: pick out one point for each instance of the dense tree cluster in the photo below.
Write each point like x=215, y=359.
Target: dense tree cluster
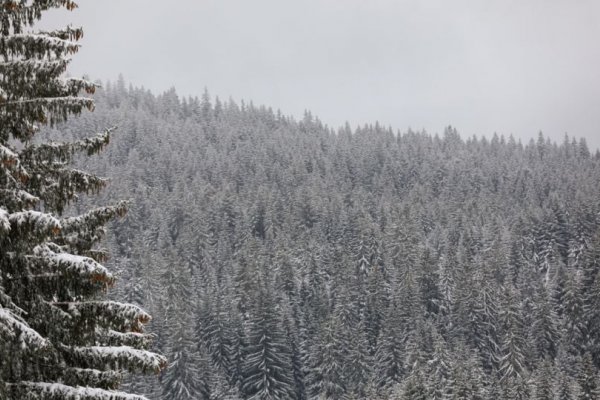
x=283, y=260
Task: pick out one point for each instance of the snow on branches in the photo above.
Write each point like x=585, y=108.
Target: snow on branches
x=51, y=279
x=14, y=328
x=79, y=265
x=58, y=391
x=116, y=357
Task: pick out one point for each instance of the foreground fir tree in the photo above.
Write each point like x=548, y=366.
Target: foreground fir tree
x=58, y=338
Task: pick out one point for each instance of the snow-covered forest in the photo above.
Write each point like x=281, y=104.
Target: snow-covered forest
x=285, y=260
x=248, y=255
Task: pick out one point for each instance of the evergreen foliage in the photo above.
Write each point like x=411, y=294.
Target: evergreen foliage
x=59, y=337
x=358, y=263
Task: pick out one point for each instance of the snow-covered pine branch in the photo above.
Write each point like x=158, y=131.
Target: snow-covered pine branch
x=109, y=314
x=93, y=377
x=23, y=13
x=31, y=68
x=35, y=226
x=59, y=186
x=58, y=391
x=7, y=156
x=74, y=264
x=18, y=199
x=117, y=357
x=36, y=46
x=96, y=217
x=38, y=155
x=4, y=222
x=109, y=337
x=14, y=328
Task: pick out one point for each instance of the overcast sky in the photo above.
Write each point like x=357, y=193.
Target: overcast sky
x=488, y=66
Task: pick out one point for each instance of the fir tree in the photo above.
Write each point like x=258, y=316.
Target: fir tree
x=544, y=328
x=589, y=388
x=512, y=363
x=543, y=382
x=389, y=366
x=325, y=374
x=185, y=378
x=58, y=338
x=267, y=365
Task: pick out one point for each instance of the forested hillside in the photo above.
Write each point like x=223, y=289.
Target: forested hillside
x=284, y=260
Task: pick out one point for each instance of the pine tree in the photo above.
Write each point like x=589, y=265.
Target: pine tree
x=267, y=364
x=185, y=378
x=295, y=345
x=216, y=333
x=439, y=368
x=325, y=374
x=589, y=388
x=512, y=363
x=543, y=381
x=58, y=338
x=359, y=362
x=468, y=380
x=574, y=329
x=592, y=300
x=389, y=366
x=564, y=389
x=414, y=388
x=544, y=329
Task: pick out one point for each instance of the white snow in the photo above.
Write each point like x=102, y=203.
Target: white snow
x=13, y=327
x=136, y=339
x=50, y=100
x=4, y=222
x=140, y=358
x=83, y=265
x=7, y=155
x=124, y=311
x=42, y=222
x=43, y=38
x=58, y=390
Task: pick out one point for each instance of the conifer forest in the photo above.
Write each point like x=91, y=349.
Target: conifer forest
x=232, y=252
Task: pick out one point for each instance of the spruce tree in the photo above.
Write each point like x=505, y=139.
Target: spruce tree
x=543, y=381
x=325, y=373
x=58, y=338
x=389, y=366
x=267, y=363
x=589, y=388
x=512, y=363
x=186, y=377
